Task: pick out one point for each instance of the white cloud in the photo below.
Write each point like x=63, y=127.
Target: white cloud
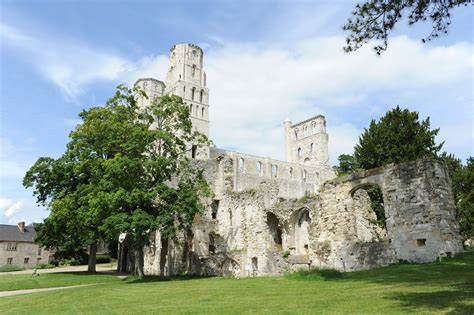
x=253, y=88
x=70, y=65
x=9, y=207
x=11, y=164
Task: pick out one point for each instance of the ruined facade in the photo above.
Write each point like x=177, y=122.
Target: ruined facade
x=268, y=217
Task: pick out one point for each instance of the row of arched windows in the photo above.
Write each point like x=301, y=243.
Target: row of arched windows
x=306, y=131
x=198, y=111
x=194, y=94
x=274, y=170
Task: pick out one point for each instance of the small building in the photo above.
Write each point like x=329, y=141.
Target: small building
x=18, y=247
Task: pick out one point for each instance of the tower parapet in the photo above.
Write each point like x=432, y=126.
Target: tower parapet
x=307, y=142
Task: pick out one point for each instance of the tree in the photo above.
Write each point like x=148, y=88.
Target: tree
x=462, y=177
x=124, y=171
x=397, y=137
x=375, y=19
x=347, y=165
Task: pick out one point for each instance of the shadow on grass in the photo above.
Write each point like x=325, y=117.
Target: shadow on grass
x=456, y=300
x=453, y=276
x=147, y=279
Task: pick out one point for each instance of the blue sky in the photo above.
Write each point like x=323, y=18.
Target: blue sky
x=265, y=61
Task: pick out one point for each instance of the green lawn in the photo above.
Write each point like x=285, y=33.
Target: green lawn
x=49, y=280
x=446, y=287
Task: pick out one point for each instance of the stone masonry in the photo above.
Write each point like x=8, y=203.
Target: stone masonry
x=268, y=217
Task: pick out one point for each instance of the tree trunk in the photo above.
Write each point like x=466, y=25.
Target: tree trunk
x=92, y=257
x=139, y=263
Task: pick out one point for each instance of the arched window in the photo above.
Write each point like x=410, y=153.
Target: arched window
x=202, y=112
x=241, y=164
x=200, y=97
x=299, y=151
x=191, y=109
x=304, y=175
x=193, y=90
x=291, y=172
x=259, y=167
x=145, y=84
x=311, y=147
x=296, y=134
x=184, y=91
x=194, y=70
x=274, y=171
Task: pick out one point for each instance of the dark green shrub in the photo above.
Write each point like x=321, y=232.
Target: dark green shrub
x=102, y=259
x=44, y=266
x=7, y=268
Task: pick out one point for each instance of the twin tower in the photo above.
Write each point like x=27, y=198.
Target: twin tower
x=305, y=142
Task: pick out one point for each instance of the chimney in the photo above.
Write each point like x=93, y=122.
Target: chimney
x=21, y=226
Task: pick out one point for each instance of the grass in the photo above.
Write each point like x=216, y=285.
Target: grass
x=445, y=288
x=49, y=280
x=8, y=268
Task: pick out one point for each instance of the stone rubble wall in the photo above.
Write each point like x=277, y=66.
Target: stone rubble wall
x=332, y=228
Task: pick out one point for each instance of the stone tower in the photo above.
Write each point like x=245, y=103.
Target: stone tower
x=186, y=78
x=307, y=142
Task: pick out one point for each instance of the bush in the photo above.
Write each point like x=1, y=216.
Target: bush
x=7, y=268
x=102, y=259
x=44, y=266
x=54, y=262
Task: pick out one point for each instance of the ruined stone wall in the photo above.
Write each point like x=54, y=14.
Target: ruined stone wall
x=273, y=230
x=419, y=207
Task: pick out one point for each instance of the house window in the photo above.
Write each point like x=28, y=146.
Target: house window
x=202, y=112
x=194, y=70
x=38, y=260
x=299, y=151
x=304, y=175
x=39, y=251
x=259, y=167
x=9, y=260
x=12, y=246
x=291, y=172
x=193, y=90
x=26, y=260
x=191, y=109
x=193, y=151
x=311, y=147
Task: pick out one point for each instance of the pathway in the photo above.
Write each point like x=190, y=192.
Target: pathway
x=18, y=292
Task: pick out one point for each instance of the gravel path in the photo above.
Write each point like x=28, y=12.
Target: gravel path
x=55, y=270
x=18, y=292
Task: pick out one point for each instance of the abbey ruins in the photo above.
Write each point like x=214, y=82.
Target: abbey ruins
x=268, y=217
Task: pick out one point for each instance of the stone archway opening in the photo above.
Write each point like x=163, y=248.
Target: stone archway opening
x=230, y=268
x=275, y=230
x=369, y=211
x=300, y=222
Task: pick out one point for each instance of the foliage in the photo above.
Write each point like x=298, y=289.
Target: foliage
x=375, y=19
x=376, y=204
x=347, y=165
x=462, y=177
x=124, y=171
x=8, y=268
x=397, y=137
x=285, y=254
x=44, y=266
x=103, y=259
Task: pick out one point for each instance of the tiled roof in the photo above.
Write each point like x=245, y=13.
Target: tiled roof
x=13, y=233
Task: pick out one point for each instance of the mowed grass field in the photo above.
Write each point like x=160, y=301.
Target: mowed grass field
x=445, y=287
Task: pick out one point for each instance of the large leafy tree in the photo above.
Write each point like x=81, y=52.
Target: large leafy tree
x=375, y=19
x=124, y=171
x=397, y=137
